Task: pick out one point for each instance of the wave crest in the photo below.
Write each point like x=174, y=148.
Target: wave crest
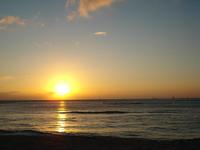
x=95, y=112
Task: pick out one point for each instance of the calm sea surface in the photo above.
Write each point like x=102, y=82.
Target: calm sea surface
x=154, y=119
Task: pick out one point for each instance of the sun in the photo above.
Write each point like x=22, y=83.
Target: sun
x=62, y=89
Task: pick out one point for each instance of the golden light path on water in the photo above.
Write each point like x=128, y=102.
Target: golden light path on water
x=63, y=126
x=61, y=117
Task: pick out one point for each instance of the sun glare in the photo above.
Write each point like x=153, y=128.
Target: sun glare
x=62, y=89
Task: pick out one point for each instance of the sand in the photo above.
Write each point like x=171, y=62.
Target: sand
x=59, y=142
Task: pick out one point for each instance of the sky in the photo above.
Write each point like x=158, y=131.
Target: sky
x=102, y=48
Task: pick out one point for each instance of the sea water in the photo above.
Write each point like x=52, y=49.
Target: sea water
x=152, y=119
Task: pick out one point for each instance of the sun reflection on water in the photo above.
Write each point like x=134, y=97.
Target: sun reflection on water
x=61, y=117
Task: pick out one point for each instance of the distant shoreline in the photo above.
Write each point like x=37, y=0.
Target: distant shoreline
x=104, y=99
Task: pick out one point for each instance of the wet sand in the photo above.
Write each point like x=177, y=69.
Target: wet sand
x=59, y=142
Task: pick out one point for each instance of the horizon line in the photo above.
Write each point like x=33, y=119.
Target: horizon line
x=95, y=99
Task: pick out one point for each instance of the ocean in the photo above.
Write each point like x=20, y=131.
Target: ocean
x=151, y=119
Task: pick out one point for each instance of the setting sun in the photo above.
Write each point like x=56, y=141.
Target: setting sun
x=62, y=89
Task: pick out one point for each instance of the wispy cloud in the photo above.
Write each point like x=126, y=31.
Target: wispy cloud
x=100, y=33
x=83, y=8
x=10, y=20
x=36, y=20
x=6, y=77
x=8, y=95
x=45, y=44
x=7, y=21
x=16, y=95
x=72, y=16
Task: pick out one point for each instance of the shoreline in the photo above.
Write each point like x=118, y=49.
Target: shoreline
x=79, y=142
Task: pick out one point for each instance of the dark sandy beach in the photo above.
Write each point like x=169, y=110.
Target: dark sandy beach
x=59, y=142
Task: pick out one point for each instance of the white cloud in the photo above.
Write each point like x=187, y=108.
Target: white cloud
x=100, y=33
